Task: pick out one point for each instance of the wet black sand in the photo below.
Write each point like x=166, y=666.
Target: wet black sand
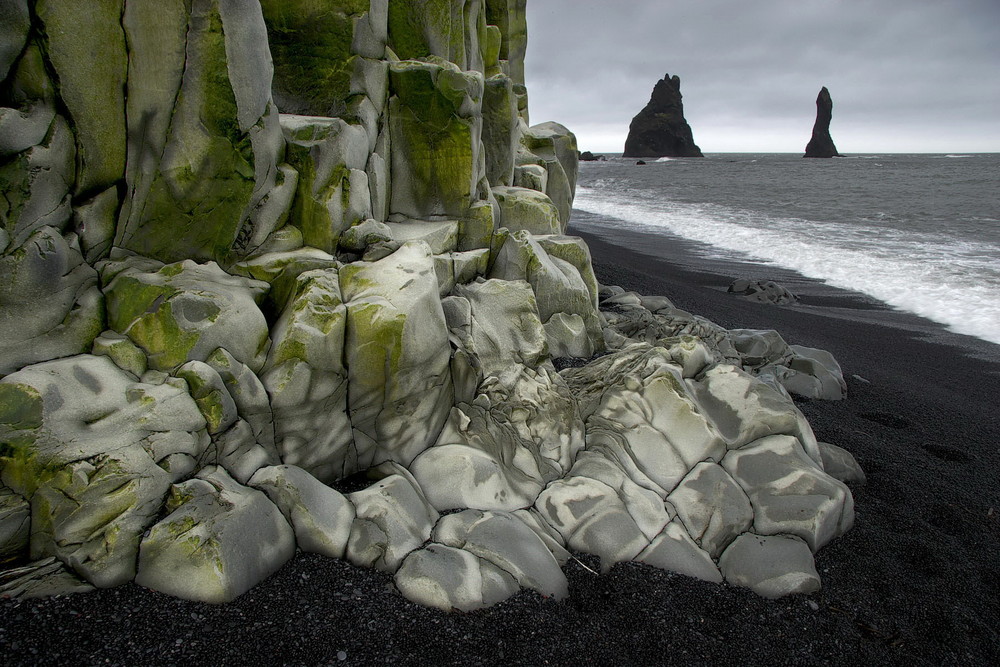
x=916, y=582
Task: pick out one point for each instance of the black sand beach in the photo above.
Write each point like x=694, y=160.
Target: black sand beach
x=917, y=581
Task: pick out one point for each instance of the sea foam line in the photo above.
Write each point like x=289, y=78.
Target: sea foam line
x=928, y=280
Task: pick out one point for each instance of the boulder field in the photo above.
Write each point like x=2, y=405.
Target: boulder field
x=276, y=276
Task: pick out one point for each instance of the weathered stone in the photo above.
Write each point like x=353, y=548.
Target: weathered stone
x=712, y=507
x=397, y=353
x=501, y=130
x=393, y=518
x=50, y=305
x=674, y=550
x=436, y=127
x=789, y=491
x=363, y=234
x=315, y=47
x=282, y=270
x=14, y=28
x=184, y=311
x=330, y=156
x=121, y=350
x=205, y=135
x=35, y=185
x=840, y=464
x=508, y=543
x=771, y=566
x=307, y=380
x=43, y=578
x=90, y=447
x=660, y=130
x=553, y=146
x=219, y=540
x=15, y=525
x=821, y=144
x=94, y=224
x=320, y=516
x=528, y=210
x=452, y=579
x=440, y=236
x=85, y=44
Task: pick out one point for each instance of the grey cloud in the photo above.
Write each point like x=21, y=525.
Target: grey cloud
x=911, y=75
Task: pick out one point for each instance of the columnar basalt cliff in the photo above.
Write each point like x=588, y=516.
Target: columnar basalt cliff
x=250, y=249
x=821, y=144
x=660, y=130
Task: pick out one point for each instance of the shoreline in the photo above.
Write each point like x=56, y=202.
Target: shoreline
x=914, y=582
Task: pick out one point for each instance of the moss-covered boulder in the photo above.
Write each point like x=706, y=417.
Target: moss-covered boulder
x=94, y=451
x=330, y=156
x=450, y=29
x=35, y=181
x=316, y=46
x=436, y=127
x=553, y=147
x=220, y=539
x=206, y=139
x=182, y=312
x=85, y=44
x=501, y=130
x=527, y=210
x=511, y=18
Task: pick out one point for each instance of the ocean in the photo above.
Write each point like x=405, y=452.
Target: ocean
x=920, y=233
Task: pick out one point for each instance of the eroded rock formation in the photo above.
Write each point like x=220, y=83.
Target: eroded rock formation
x=218, y=302
x=821, y=144
x=660, y=130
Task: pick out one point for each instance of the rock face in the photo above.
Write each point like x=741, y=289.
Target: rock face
x=660, y=130
x=821, y=144
x=223, y=291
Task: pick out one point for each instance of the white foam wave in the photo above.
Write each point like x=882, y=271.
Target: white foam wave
x=665, y=159
x=951, y=283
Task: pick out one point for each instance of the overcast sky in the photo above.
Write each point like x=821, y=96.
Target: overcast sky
x=905, y=75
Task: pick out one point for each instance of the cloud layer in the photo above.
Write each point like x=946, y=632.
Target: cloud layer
x=920, y=75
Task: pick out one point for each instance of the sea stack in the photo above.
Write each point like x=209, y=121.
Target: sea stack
x=821, y=144
x=660, y=130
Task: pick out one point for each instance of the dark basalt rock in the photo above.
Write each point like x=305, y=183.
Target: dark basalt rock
x=660, y=130
x=764, y=291
x=821, y=144
x=587, y=156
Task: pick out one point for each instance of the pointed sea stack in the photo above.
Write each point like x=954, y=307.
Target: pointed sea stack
x=821, y=144
x=660, y=129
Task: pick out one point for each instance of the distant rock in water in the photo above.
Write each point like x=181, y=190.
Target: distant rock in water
x=587, y=156
x=821, y=144
x=660, y=129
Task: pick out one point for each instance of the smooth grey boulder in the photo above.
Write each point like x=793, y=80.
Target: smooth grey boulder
x=674, y=550
x=841, y=464
x=219, y=540
x=528, y=210
x=50, y=305
x=393, y=518
x=281, y=269
x=452, y=579
x=507, y=542
x=712, y=507
x=365, y=233
x=789, y=491
x=553, y=146
x=184, y=311
x=249, y=394
x=20, y=129
x=771, y=566
x=320, y=516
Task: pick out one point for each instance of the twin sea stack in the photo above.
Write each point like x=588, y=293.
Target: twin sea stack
x=259, y=247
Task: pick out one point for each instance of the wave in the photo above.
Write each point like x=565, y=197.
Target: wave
x=951, y=283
